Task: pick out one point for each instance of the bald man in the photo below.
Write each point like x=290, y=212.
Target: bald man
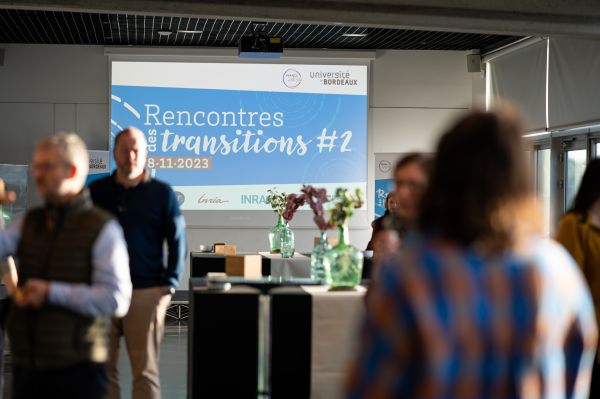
x=149, y=214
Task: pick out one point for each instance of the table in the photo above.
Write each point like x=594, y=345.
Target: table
x=202, y=263
x=273, y=323
x=274, y=265
x=298, y=266
x=223, y=336
x=314, y=336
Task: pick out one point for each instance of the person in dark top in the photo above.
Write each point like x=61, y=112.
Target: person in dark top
x=377, y=224
x=149, y=214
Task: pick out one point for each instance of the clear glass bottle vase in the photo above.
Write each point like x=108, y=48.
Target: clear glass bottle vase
x=317, y=268
x=344, y=262
x=287, y=242
x=275, y=236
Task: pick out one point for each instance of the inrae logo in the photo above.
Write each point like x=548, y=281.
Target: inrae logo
x=253, y=199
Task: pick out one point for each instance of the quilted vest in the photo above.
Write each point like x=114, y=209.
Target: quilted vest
x=56, y=245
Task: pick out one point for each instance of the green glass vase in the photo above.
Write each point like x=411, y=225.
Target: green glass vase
x=287, y=242
x=344, y=262
x=275, y=236
x=317, y=268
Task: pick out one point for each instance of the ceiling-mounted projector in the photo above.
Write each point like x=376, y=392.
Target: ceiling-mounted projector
x=259, y=44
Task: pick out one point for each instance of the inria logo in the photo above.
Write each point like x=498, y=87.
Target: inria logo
x=292, y=78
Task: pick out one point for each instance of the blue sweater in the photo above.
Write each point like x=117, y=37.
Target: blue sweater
x=150, y=216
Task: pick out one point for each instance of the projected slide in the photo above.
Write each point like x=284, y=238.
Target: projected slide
x=222, y=134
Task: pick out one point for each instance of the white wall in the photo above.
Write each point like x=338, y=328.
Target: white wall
x=45, y=88
x=415, y=95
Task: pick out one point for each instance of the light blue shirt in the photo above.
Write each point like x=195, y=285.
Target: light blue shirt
x=110, y=291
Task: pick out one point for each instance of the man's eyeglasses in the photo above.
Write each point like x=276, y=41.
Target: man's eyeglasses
x=46, y=166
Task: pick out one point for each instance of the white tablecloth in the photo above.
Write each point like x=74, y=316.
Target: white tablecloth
x=296, y=267
x=336, y=317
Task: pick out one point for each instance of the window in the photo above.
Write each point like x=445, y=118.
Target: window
x=594, y=145
x=538, y=152
x=576, y=161
x=542, y=183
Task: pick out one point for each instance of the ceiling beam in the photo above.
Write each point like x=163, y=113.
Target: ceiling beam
x=532, y=17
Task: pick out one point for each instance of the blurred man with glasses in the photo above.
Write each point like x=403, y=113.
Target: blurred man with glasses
x=410, y=180
x=73, y=274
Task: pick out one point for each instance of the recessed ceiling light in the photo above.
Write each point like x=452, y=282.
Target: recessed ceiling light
x=164, y=33
x=354, y=34
x=189, y=31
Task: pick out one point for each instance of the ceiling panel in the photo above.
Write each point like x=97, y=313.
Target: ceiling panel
x=61, y=27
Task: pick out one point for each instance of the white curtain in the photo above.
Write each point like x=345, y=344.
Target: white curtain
x=520, y=78
x=574, y=82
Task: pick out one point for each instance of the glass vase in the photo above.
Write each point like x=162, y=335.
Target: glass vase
x=287, y=242
x=275, y=236
x=317, y=268
x=344, y=262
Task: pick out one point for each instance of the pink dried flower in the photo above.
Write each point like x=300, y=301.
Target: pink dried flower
x=292, y=203
x=316, y=197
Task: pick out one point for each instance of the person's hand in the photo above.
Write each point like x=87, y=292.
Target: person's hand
x=36, y=292
x=18, y=297
x=6, y=196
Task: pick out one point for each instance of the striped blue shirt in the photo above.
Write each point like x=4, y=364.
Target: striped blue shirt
x=449, y=322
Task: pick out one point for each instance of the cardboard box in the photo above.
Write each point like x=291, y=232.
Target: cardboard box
x=225, y=249
x=333, y=241
x=244, y=266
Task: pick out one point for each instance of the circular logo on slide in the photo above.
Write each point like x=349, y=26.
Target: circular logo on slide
x=292, y=78
x=385, y=166
x=180, y=197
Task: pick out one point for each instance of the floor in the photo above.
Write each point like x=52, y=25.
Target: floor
x=173, y=364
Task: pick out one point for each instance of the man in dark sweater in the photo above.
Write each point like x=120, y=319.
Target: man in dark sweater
x=149, y=214
x=73, y=275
